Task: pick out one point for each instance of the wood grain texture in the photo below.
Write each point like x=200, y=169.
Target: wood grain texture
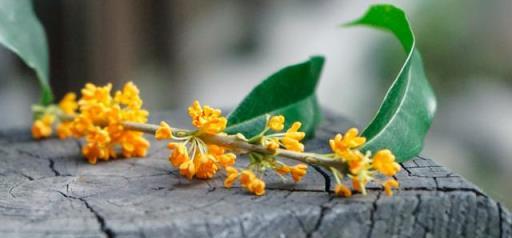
x=48, y=190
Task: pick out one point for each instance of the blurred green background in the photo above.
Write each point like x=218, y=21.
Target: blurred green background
x=181, y=50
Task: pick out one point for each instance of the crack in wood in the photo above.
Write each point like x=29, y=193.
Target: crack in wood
x=299, y=221
x=324, y=209
x=373, y=210
x=52, y=167
x=26, y=176
x=500, y=220
x=109, y=233
x=415, y=214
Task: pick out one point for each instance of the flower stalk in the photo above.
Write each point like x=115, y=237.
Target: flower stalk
x=236, y=143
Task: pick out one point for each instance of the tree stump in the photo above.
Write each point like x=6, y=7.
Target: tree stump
x=49, y=190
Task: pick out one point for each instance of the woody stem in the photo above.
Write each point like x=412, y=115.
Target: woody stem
x=233, y=142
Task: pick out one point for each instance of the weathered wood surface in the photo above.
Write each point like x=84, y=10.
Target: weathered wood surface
x=48, y=190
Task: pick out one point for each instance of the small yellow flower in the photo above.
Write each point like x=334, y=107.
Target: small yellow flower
x=384, y=162
x=298, y=171
x=68, y=104
x=214, y=125
x=292, y=144
x=179, y=154
x=207, y=119
x=227, y=159
x=283, y=169
x=231, y=176
x=164, y=131
x=249, y=181
x=341, y=144
x=129, y=96
x=95, y=95
x=224, y=159
x=195, y=112
x=357, y=162
x=294, y=133
x=134, y=144
x=81, y=125
x=135, y=115
x=388, y=185
x=40, y=130
x=92, y=152
x=97, y=145
x=257, y=186
x=43, y=127
x=292, y=138
x=246, y=177
x=116, y=132
x=64, y=130
x=276, y=123
x=205, y=166
x=188, y=169
x=342, y=190
x=271, y=144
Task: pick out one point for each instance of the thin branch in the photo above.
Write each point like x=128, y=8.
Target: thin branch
x=234, y=142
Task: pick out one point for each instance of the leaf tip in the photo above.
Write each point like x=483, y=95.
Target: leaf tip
x=381, y=8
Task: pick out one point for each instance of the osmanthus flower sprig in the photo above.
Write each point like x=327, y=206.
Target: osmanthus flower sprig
x=266, y=148
x=113, y=124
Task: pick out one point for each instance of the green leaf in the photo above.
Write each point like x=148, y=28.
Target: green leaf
x=289, y=92
x=405, y=116
x=22, y=33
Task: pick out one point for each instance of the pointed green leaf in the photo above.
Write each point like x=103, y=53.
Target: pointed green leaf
x=289, y=92
x=406, y=113
x=22, y=33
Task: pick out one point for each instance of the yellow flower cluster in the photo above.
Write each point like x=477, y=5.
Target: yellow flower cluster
x=196, y=158
x=362, y=168
x=207, y=119
x=289, y=140
x=259, y=163
x=42, y=127
x=247, y=178
x=99, y=120
x=68, y=106
x=192, y=156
